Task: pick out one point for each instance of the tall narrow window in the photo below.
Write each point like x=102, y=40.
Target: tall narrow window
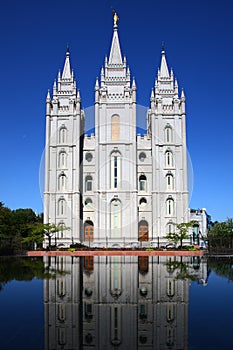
x=62, y=160
x=170, y=287
x=169, y=182
x=115, y=127
x=142, y=183
x=170, y=207
x=62, y=183
x=168, y=159
x=116, y=219
x=170, y=227
x=168, y=134
x=115, y=325
x=88, y=183
x=62, y=135
x=61, y=227
x=116, y=275
x=61, y=207
x=115, y=169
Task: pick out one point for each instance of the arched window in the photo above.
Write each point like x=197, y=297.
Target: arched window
x=88, y=183
x=116, y=276
x=168, y=159
x=62, y=182
x=61, y=227
x=170, y=227
x=61, y=287
x=143, y=229
x=88, y=231
x=115, y=128
x=63, y=135
x=61, y=207
x=142, y=183
x=143, y=202
x=116, y=219
x=61, y=312
x=170, y=287
x=168, y=134
x=115, y=169
x=170, y=312
x=169, y=182
x=170, y=207
x=62, y=160
x=61, y=336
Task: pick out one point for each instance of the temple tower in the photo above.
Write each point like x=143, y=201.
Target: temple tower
x=115, y=144
x=64, y=126
x=167, y=127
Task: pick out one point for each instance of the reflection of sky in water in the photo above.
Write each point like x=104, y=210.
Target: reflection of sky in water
x=22, y=315
x=123, y=302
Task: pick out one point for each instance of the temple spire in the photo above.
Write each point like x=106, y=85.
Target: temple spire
x=115, y=52
x=66, y=74
x=164, y=72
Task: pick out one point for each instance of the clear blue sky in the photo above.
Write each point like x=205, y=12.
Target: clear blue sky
x=198, y=41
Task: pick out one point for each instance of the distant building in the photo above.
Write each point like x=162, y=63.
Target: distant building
x=114, y=186
x=200, y=229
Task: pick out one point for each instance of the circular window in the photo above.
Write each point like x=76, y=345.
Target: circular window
x=88, y=291
x=143, y=202
x=89, y=157
x=88, y=202
x=143, y=291
x=142, y=156
x=89, y=338
x=143, y=339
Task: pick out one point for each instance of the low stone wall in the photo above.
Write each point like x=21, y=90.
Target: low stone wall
x=117, y=253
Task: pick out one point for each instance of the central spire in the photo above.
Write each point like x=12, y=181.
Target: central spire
x=115, y=52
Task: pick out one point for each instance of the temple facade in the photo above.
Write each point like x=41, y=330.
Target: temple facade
x=115, y=186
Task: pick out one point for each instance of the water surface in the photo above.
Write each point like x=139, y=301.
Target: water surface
x=116, y=303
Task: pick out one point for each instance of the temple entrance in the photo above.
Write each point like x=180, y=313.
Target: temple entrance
x=88, y=231
x=143, y=231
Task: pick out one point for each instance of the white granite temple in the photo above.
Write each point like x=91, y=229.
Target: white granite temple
x=114, y=186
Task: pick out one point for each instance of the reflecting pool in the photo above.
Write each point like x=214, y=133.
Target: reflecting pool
x=116, y=302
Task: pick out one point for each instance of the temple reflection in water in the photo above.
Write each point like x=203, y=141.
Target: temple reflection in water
x=119, y=302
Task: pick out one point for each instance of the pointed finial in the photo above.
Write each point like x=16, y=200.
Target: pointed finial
x=163, y=49
x=48, y=96
x=97, y=83
x=182, y=94
x=133, y=84
x=78, y=94
x=152, y=94
x=67, y=49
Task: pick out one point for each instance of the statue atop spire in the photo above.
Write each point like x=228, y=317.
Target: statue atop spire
x=115, y=17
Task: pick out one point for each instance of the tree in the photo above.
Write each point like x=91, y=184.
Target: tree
x=222, y=229
x=39, y=231
x=181, y=233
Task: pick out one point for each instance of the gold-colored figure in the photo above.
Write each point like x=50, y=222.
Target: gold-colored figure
x=115, y=18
